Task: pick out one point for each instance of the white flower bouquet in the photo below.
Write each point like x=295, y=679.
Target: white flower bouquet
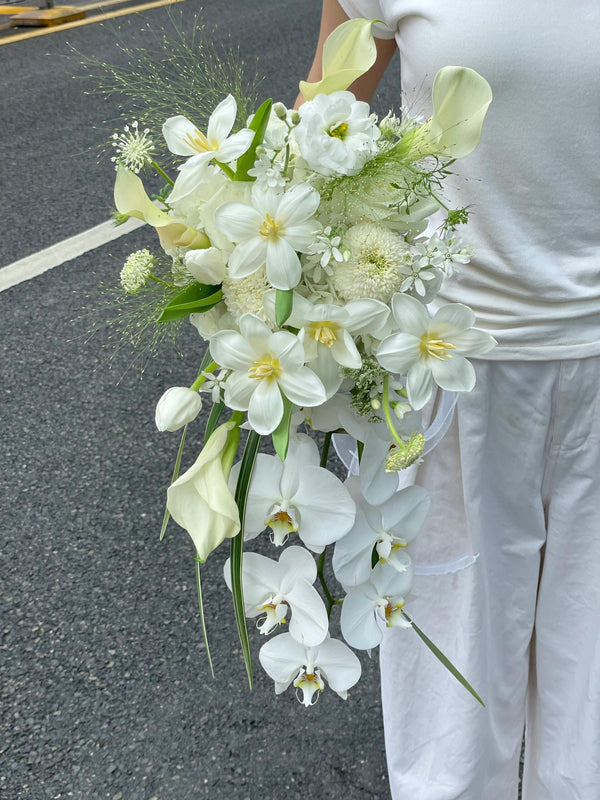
x=299, y=254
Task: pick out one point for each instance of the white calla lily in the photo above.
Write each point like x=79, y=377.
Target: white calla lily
x=460, y=98
x=381, y=598
x=388, y=528
x=271, y=231
x=264, y=364
x=285, y=660
x=348, y=52
x=200, y=500
x=297, y=496
x=432, y=349
x=271, y=586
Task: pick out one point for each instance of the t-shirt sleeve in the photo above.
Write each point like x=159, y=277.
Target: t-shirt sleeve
x=369, y=9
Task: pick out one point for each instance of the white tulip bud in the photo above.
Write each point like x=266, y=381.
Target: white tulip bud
x=178, y=406
x=280, y=110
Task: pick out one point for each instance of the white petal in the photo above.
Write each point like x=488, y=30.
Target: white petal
x=239, y=389
x=176, y=130
x=367, y=316
x=405, y=511
x=410, y=314
x=247, y=257
x=264, y=491
x=266, y=407
x=283, y=265
x=303, y=387
x=222, y=120
x=256, y=333
x=419, y=384
x=358, y=621
x=473, y=342
x=231, y=350
x=298, y=204
x=455, y=374
x=339, y=664
x=456, y=315
x=352, y=554
x=326, y=509
x=206, y=265
x=399, y=352
x=309, y=623
x=238, y=221
x=281, y=658
x=327, y=369
x=235, y=146
x=297, y=563
x=376, y=484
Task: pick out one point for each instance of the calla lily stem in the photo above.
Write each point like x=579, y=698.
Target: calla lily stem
x=163, y=173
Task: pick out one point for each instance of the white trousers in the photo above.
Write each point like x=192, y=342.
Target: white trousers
x=517, y=480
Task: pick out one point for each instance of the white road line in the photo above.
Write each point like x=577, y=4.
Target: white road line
x=58, y=254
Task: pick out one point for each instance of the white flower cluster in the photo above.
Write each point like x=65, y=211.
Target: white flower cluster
x=300, y=304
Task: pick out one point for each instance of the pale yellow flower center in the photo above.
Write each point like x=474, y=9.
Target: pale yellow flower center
x=270, y=228
x=436, y=348
x=339, y=132
x=324, y=332
x=198, y=141
x=265, y=368
x=390, y=609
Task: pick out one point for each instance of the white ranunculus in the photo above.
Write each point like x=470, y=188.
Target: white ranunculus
x=285, y=660
x=178, y=406
x=264, y=364
x=270, y=587
x=200, y=500
x=432, y=349
x=380, y=598
x=336, y=134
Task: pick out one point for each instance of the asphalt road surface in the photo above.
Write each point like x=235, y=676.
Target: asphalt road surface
x=105, y=689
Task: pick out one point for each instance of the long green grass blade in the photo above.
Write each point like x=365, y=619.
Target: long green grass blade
x=444, y=659
x=201, y=612
x=167, y=515
x=237, y=547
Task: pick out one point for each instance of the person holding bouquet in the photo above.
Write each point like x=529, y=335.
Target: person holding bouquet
x=509, y=583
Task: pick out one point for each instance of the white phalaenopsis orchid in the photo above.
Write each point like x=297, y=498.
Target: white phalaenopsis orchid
x=433, y=348
x=271, y=231
x=327, y=332
x=286, y=660
x=336, y=134
x=184, y=139
x=388, y=528
x=297, y=496
x=264, y=364
x=270, y=587
x=380, y=598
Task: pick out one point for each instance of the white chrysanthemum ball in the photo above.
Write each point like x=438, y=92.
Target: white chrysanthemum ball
x=245, y=295
x=373, y=259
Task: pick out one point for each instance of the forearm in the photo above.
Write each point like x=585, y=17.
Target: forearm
x=364, y=87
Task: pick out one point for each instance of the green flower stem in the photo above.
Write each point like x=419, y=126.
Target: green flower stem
x=430, y=191
x=287, y=160
x=227, y=170
x=321, y=563
x=160, y=280
x=202, y=378
x=387, y=412
x=162, y=173
x=201, y=613
x=233, y=441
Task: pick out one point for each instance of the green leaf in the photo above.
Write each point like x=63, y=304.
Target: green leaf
x=201, y=612
x=213, y=419
x=197, y=297
x=237, y=546
x=284, y=300
x=259, y=126
x=167, y=514
x=445, y=660
x=281, y=434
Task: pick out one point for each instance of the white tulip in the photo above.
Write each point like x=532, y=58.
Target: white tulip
x=178, y=406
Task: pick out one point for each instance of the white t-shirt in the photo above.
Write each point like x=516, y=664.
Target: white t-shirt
x=533, y=183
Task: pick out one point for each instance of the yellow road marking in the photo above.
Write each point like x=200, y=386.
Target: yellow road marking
x=16, y=9
x=98, y=18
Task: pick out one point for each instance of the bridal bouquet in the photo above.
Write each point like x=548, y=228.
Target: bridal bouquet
x=297, y=250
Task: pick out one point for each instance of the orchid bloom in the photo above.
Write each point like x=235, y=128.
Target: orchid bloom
x=348, y=52
x=388, y=528
x=433, y=349
x=381, y=597
x=184, y=139
x=200, y=500
x=270, y=587
x=272, y=230
x=285, y=660
x=297, y=496
x=326, y=332
x=264, y=364
x=460, y=98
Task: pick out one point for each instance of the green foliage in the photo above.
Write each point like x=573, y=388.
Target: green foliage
x=259, y=126
x=195, y=298
x=281, y=434
x=284, y=300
